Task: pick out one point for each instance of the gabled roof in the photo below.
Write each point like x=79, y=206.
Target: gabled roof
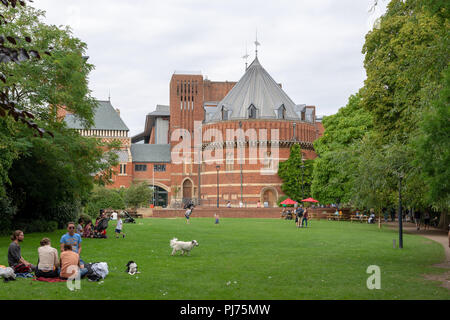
x=153, y=153
x=259, y=89
x=105, y=118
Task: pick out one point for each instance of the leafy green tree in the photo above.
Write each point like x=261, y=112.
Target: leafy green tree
x=291, y=173
x=404, y=60
x=138, y=195
x=334, y=169
x=103, y=198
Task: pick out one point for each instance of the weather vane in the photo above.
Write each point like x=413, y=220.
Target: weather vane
x=246, y=57
x=257, y=43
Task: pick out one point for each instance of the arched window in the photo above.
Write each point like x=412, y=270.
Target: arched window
x=282, y=112
x=252, y=112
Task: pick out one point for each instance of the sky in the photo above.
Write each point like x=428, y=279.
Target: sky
x=312, y=47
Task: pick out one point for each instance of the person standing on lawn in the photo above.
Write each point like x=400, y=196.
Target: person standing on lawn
x=119, y=227
x=305, y=218
x=15, y=259
x=74, y=239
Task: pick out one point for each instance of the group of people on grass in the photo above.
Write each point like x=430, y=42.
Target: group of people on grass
x=301, y=215
x=69, y=261
x=49, y=265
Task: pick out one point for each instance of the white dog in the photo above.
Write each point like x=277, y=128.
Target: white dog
x=7, y=274
x=182, y=246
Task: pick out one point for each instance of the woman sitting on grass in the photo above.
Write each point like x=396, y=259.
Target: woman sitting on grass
x=48, y=262
x=70, y=263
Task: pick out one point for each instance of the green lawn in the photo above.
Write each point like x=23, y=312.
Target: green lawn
x=244, y=259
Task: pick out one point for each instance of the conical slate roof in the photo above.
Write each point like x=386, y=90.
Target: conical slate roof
x=255, y=88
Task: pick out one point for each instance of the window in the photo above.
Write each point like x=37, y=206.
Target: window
x=252, y=112
x=159, y=168
x=123, y=169
x=140, y=167
x=282, y=112
x=224, y=113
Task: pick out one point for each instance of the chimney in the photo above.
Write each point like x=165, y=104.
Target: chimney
x=118, y=111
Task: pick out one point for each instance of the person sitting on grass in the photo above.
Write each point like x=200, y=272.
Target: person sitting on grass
x=80, y=227
x=87, y=231
x=72, y=238
x=48, y=262
x=70, y=263
x=15, y=259
x=119, y=227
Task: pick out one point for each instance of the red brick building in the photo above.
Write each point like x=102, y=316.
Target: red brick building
x=215, y=141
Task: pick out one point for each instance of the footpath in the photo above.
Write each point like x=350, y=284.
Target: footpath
x=438, y=235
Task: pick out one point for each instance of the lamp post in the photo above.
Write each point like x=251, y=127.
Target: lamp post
x=240, y=160
x=218, y=168
x=303, y=193
x=400, y=215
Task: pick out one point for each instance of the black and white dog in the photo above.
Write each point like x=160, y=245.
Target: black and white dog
x=132, y=268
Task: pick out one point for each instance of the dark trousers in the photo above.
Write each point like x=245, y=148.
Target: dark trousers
x=47, y=274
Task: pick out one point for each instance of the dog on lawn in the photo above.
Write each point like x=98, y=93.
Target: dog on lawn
x=183, y=246
x=132, y=268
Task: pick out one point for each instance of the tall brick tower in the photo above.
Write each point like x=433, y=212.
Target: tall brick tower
x=186, y=101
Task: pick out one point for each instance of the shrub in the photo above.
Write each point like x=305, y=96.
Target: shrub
x=7, y=212
x=31, y=226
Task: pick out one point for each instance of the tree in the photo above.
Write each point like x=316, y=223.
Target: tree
x=138, y=195
x=103, y=198
x=291, y=173
x=333, y=175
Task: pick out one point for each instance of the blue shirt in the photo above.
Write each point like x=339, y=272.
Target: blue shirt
x=74, y=240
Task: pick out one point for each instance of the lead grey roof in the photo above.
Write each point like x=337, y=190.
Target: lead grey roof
x=154, y=153
x=105, y=118
x=161, y=111
x=256, y=87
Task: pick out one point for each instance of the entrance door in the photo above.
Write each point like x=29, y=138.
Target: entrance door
x=187, y=190
x=269, y=197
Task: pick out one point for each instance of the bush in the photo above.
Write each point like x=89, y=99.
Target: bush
x=65, y=212
x=7, y=212
x=103, y=198
x=31, y=226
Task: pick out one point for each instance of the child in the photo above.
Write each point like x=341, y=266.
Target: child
x=217, y=218
x=119, y=227
x=188, y=214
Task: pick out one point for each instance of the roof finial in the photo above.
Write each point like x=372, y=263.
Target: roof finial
x=257, y=43
x=109, y=96
x=246, y=57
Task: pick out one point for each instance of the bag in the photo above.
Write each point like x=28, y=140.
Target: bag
x=96, y=271
x=21, y=268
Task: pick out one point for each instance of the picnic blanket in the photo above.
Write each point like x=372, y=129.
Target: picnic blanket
x=49, y=279
x=24, y=275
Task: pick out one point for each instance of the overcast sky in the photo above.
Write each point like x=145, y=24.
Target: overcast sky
x=312, y=47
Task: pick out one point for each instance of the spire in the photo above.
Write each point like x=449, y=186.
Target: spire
x=257, y=43
x=246, y=57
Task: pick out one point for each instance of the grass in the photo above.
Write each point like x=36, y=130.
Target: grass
x=244, y=259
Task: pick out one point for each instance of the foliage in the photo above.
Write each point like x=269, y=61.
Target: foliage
x=334, y=169
x=103, y=198
x=138, y=195
x=433, y=147
x=7, y=212
x=292, y=174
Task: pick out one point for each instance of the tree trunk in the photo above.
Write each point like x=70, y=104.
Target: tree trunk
x=445, y=220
